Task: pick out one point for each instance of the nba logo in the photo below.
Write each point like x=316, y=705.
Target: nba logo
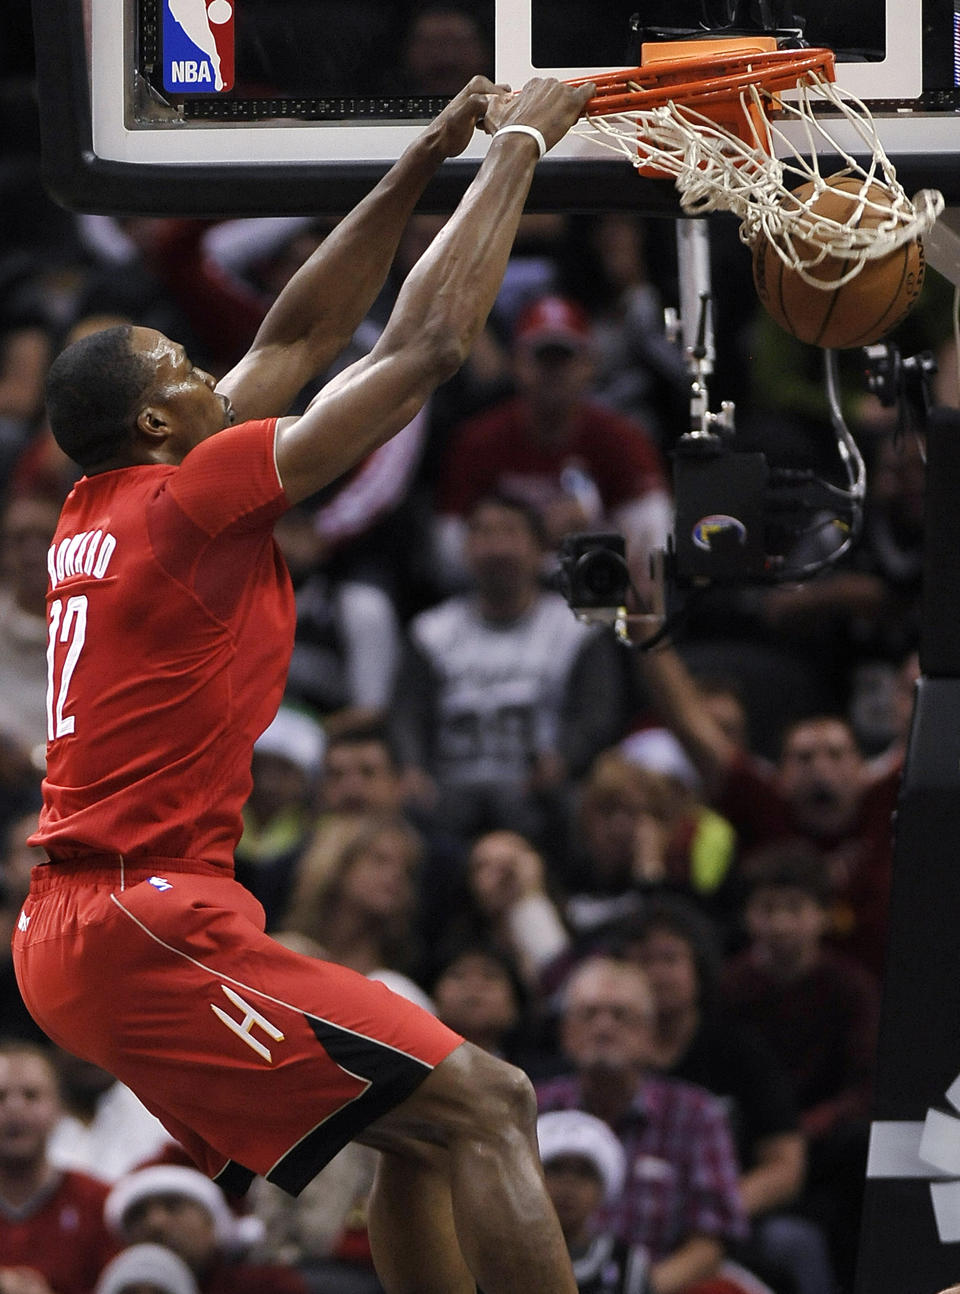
x=197, y=46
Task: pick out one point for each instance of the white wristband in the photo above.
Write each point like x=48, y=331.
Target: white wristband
x=525, y=130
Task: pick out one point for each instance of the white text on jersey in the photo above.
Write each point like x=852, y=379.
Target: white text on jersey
x=88, y=553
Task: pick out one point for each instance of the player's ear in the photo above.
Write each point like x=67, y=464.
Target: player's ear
x=152, y=423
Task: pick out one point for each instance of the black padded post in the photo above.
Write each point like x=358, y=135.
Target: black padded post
x=940, y=635
x=910, y=1239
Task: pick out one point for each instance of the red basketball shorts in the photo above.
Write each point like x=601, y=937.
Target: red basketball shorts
x=257, y=1059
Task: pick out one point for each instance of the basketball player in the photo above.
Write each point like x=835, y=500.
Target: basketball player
x=171, y=625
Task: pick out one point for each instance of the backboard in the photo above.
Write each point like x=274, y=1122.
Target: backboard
x=255, y=106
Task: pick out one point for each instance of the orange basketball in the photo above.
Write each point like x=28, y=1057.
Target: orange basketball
x=857, y=313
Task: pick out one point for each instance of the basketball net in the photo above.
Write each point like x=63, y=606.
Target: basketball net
x=729, y=154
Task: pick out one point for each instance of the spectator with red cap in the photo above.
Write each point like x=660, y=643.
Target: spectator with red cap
x=581, y=465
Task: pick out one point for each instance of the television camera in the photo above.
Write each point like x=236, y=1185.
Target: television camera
x=738, y=519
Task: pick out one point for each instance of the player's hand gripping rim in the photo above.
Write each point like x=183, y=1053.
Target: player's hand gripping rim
x=549, y=106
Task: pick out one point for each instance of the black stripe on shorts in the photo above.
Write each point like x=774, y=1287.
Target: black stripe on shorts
x=233, y=1179
x=393, y=1077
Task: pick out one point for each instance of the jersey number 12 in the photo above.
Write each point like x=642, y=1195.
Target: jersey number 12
x=67, y=625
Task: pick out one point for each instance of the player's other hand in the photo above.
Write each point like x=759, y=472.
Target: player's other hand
x=453, y=128
x=550, y=105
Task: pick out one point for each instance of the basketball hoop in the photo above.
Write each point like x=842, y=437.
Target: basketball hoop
x=707, y=119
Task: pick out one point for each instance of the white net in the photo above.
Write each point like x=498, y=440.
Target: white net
x=754, y=178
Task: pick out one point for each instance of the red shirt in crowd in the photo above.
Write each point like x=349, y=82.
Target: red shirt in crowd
x=495, y=452
x=859, y=860
x=252, y=1278
x=60, y=1233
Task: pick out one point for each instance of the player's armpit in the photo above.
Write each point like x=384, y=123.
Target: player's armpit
x=355, y=413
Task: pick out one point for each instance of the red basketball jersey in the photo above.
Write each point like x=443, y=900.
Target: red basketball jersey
x=171, y=619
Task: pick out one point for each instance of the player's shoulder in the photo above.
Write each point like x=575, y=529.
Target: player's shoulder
x=120, y=482
x=97, y=510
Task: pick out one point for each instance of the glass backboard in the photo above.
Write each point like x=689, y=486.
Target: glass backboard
x=252, y=106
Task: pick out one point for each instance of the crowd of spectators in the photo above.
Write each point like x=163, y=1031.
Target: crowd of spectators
x=657, y=882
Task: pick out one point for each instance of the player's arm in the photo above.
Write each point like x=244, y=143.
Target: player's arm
x=441, y=307
x=318, y=311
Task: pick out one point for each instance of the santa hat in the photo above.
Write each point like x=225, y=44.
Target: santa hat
x=174, y=1179
x=147, y=1265
x=573, y=1132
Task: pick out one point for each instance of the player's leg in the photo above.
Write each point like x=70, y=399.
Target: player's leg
x=325, y=1051
x=483, y=1112
x=411, y=1228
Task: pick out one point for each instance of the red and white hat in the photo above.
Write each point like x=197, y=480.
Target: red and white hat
x=553, y=321
x=576, y=1133
x=233, y=1233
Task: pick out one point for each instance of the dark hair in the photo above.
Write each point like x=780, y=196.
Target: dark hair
x=93, y=391
x=788, y=864
x=523, y=1040
x=364, y=732
x=13, y=1046
x=793, y=726
x=673, y=914
x=512, y=503
x=454, y=950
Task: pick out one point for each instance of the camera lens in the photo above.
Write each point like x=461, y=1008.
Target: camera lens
x=602, y=574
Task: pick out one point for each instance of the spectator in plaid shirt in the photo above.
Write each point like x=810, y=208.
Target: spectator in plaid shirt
x=681, y=1198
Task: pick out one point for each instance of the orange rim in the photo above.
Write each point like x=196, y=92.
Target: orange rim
x=704, y=79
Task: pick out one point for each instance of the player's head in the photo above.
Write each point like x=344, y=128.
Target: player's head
x=94, y=390
x=130, y=395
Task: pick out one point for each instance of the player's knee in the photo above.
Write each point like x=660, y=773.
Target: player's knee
x=470, y=1098
x=502, y=1098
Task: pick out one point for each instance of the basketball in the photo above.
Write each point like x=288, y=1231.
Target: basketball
x=856, y=313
